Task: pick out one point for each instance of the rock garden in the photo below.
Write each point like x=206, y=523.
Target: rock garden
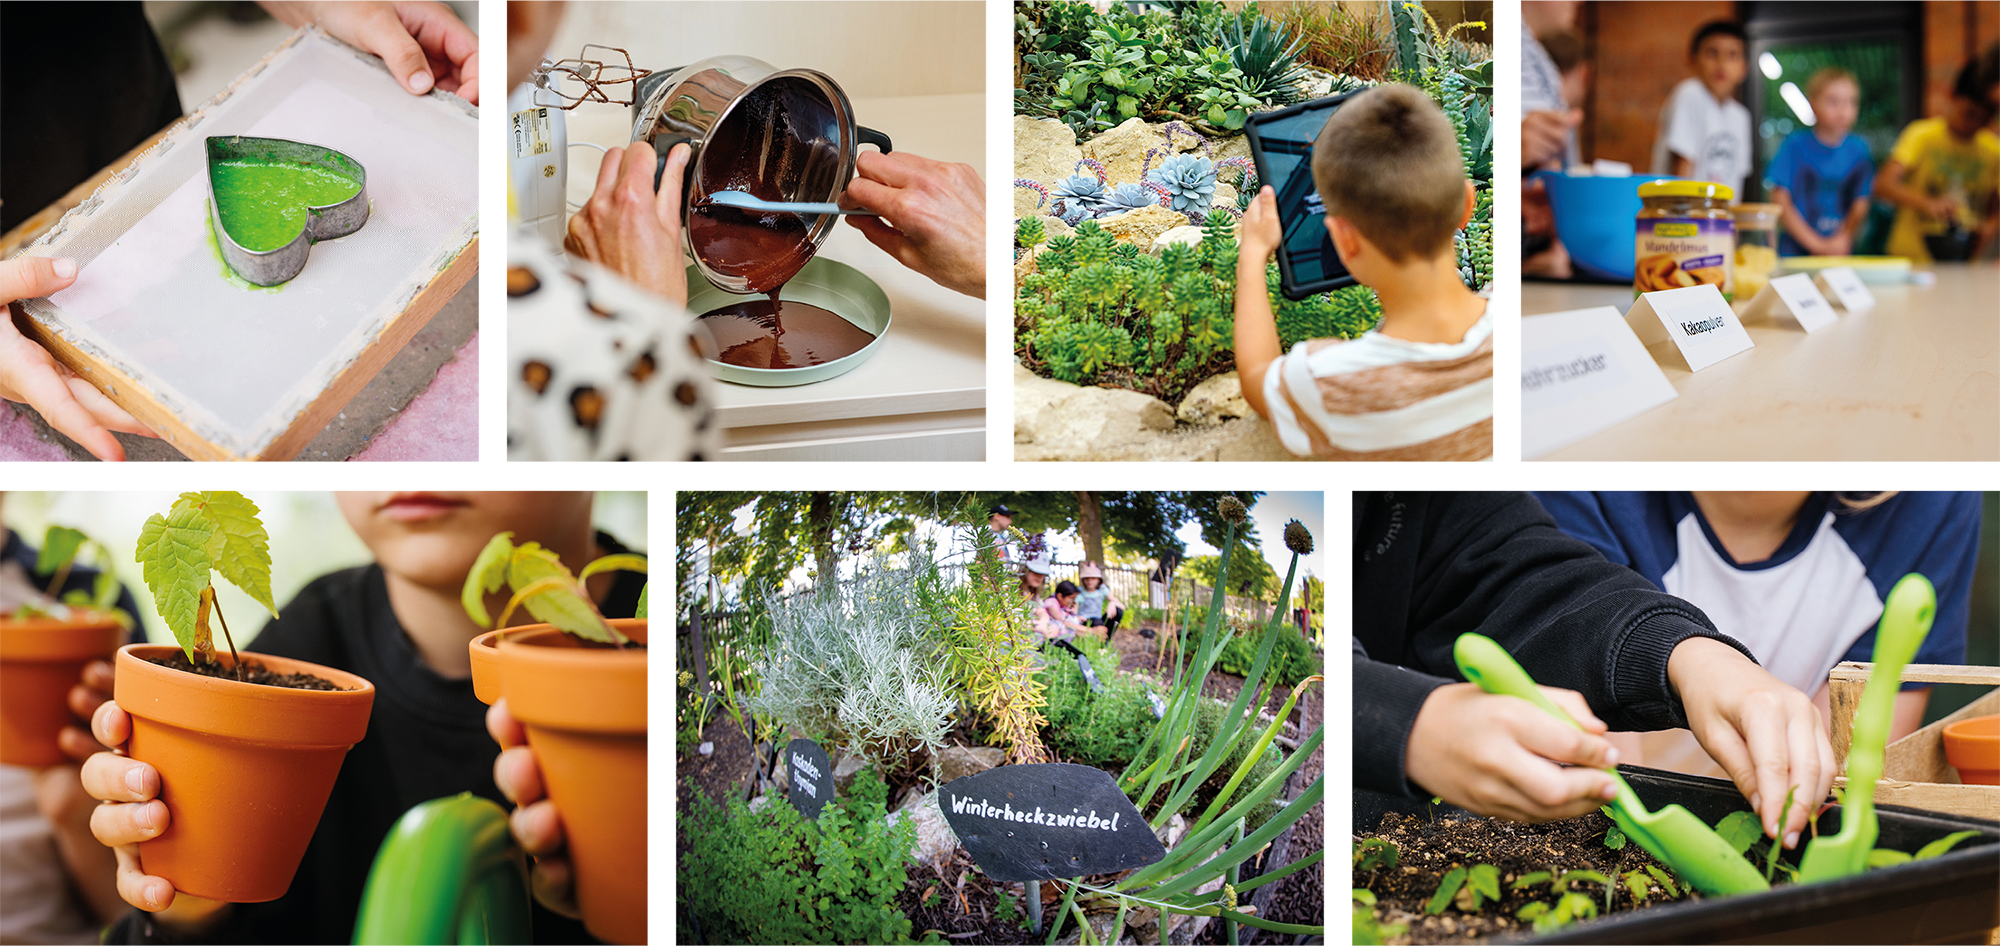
x=844, y=742
x=1131, y=170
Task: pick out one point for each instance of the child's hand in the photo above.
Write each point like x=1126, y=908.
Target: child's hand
x=1766, y=734
x=1257, y=235
x=536, y=824
x=136, y=814
x=1497, y=755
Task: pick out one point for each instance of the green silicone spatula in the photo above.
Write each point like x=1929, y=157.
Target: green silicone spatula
x=1673, y=834
x=1906, y=618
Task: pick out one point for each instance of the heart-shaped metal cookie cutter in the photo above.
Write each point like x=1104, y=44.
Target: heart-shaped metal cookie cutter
x=331, y=221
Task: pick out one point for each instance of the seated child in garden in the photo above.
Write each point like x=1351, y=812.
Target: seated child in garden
x=1822, y=175
x=1095, y=604
x=397, y=622
x=1943, y=171
x=1056, y=616
x=1419, y=385
x=1611, y=649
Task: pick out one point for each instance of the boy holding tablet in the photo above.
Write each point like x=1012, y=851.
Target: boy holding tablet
x=1418, y=386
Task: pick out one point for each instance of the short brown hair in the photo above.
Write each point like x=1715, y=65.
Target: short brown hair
x=1828, y=76
x=1388, y=161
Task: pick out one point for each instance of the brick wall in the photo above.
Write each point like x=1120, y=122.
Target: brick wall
x=1954, y=32
x=1638, y=52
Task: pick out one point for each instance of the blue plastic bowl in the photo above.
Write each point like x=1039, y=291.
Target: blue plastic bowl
x=1596, y=219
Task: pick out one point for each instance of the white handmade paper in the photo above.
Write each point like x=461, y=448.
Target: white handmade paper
x=1581, y=372
x=1696, y=319
x=1793, y=295
x=238, y=364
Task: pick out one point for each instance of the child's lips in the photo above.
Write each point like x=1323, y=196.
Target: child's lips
x=414, y=507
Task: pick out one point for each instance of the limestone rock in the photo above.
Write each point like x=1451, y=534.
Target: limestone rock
x=1035, y=399
x=762, y=801
x=1251, y=439
x=935, y=841
x=1140, y=227
x=1122, y=150
x=1026, y=264
x=1053, y=227
x=957, y=762
x=1213, y=401
x=1044, y=150
x=1028, y=202
x=1189, y=235
x=1235, y=146
x=1093, y=419
x=1224, y=196
x=844, y=772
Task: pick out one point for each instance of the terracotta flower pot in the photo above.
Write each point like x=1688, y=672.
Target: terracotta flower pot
x=245, y=769
x=485, y=666
x=40, y=659
x=585, y=712
x=1972, y=746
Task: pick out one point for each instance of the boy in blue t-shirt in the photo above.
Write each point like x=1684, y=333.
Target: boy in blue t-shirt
x=1822, y=176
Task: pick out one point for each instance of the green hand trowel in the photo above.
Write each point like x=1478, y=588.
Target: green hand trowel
x=1673, y=834
x=1906, y=618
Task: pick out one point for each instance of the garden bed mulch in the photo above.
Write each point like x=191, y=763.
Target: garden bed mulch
x=1428, y=849
x=719, y=773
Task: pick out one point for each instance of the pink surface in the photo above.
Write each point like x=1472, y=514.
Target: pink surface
x=19, y=440
x=443, y=422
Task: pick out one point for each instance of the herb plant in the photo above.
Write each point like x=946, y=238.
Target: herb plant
x=986, y=638
x=1097, y=311
x=543, y=584
x=202, y=533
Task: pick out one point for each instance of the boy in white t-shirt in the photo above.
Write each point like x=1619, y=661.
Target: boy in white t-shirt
x=1418, y=386
x=1704, y=131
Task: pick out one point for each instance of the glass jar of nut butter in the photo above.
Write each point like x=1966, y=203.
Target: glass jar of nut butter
x=1686, y=237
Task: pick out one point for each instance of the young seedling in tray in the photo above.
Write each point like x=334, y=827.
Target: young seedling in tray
x=543, y=585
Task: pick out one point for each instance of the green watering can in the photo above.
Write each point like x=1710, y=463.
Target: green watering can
x=1673, y=834
x=1906, y=618
x=447, y=873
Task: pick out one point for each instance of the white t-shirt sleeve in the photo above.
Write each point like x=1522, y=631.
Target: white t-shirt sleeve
x=1284, y=420
x=1684, y=124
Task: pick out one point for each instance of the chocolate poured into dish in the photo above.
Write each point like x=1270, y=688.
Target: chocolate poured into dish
x=751, y=335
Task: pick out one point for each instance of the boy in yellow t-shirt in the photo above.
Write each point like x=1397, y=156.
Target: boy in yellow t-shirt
x=1947, y=169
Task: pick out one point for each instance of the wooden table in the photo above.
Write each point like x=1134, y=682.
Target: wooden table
x=1915, y=378
x=922, y=396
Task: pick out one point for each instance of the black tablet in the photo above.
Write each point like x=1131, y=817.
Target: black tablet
x=1281, y=147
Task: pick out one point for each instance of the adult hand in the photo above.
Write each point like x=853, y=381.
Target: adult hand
x=933, y=216
x=628, y=228
x=536, y=825
x=425, y=45
x=133, y=813
x=1764, y=733
x=1257, y=234
x=1497, y=755
x=30, y=374
x=1545, y=135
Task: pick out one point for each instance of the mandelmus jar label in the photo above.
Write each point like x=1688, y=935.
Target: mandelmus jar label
x=1678, y=252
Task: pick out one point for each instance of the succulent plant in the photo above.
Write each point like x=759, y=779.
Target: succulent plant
x=1267, y=57
x=1077, y=196
x=1038, y=187
x=1126, y=197
x=1191, y=181
x=1029, y=231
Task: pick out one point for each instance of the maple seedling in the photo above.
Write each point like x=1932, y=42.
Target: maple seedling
x=543, y=585
x=61, y=548
x=202, y=533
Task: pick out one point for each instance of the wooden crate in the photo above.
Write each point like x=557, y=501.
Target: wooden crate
x=1914, y=771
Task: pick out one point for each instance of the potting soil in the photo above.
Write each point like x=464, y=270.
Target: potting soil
x=253, y=672
x=1427, y=850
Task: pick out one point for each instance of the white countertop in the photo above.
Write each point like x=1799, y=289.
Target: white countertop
x=934, y=356
x=1917, y=377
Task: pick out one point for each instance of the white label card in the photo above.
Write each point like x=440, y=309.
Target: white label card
x=1581, y=372
x=1696, y=318
x=1847, y=288
x=1795, y=294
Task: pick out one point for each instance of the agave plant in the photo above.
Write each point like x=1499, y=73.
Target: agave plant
x=1076, y=197
x=1266, y=56
x=1189, y=179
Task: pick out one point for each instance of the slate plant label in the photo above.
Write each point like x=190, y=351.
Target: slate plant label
x=1043, y=822
x=810, y=773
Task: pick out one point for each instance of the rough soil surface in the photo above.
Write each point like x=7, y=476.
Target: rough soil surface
x=253, y=672
x=1428, y=850
x=719, y=773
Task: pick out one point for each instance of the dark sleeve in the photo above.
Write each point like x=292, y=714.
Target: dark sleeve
x=1440, y=565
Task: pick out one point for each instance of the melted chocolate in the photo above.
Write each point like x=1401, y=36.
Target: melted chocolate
x=779, y=143
x=752, y=335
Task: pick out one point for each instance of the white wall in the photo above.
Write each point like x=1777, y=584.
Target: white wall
x=871, y=47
